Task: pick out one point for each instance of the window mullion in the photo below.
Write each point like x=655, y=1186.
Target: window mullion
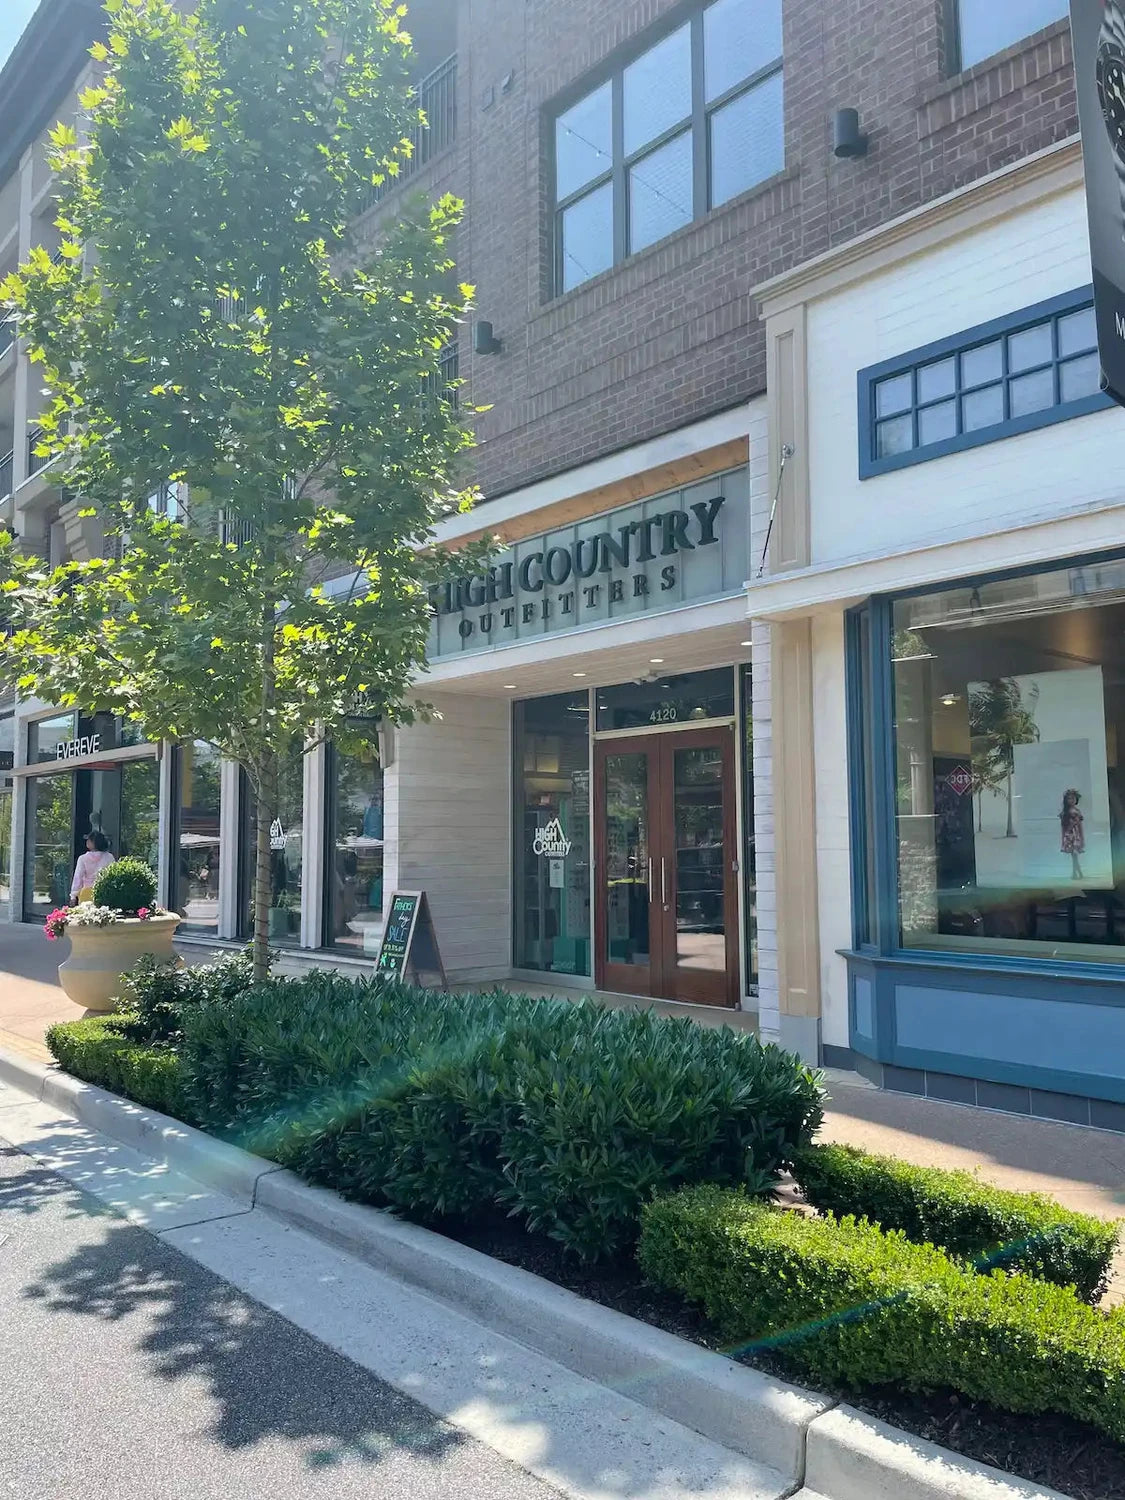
x=701, y=148
x=620, y=204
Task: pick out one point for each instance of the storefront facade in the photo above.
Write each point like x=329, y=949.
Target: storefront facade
x=72, y=775
x=945, y=605
x=580, y=808
x=576, y=798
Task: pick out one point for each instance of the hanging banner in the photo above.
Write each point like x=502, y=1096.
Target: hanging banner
x=1098, y=29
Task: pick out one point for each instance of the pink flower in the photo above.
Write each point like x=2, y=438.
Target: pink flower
x=144, y=914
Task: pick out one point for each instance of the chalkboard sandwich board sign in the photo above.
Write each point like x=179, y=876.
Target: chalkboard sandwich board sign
x=409, y=941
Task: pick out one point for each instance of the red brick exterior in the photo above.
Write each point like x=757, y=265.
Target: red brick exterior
x=671, y=335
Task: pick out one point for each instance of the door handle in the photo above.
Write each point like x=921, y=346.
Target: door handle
x=650, y=877
x=663, y=881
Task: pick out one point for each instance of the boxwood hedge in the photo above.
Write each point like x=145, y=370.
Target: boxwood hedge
x=97, y=1051
x=844, y=1302
x=968, y=1218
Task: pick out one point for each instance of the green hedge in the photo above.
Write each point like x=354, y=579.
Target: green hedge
x=1021, y=1231
x=564, y=1116
x=846, y=1303
x=97, y=1051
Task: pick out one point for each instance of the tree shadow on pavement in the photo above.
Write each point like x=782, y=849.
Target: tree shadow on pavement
x=267, y=1378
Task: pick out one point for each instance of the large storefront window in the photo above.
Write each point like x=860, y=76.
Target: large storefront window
x=1009, y=733
x=120, y=800
x=355, y=850
x=552, y=834
x=198, y=835
x=7, y=760
x=749, y=839
x=286, y=851
x=49, y=843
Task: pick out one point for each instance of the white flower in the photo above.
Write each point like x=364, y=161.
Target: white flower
x=86, y=914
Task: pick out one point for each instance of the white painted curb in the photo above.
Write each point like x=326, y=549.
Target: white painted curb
x=851, y=1456
x=752, y=1414
x=835, y=1451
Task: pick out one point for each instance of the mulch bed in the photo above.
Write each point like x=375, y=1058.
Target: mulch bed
x=1050, y=1450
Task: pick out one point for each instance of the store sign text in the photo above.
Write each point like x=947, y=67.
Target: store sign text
x=589, y=571
x=551, y=842
x=86, y=744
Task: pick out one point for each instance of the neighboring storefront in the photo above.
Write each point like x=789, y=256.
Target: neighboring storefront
x=81, y=774
x=988, y=722
x=944, y=603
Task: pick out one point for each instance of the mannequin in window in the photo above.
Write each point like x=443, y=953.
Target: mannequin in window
x=1072, y=823
x=90, y=865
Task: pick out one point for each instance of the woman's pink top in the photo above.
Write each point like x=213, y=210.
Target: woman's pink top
x=90, y=865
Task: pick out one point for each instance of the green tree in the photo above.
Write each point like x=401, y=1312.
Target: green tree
x=999, y=720
x=213, y=324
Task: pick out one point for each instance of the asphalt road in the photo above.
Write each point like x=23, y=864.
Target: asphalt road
x=128, y=1372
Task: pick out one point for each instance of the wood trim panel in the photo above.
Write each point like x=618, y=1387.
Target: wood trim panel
x=788, y=415
x=595, y=502
x=795, y=820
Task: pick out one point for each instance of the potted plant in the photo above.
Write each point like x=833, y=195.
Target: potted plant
x=108, y=934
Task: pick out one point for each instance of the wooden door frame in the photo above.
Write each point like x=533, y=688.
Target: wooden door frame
x=662, y=979
x=674, y=983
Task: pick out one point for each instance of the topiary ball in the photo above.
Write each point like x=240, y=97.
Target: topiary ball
x=127, y=886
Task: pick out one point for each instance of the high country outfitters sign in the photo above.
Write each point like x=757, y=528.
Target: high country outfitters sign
x=680, y=548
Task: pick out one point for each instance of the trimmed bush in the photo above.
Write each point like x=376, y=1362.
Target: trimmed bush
x=127, y=885
x=96, y=1051
x=1020, y=1231
x=156, y=993
x=564, y=1116
x=844, y=1302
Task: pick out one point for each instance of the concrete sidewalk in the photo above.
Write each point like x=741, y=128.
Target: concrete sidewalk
x=30, y=996
x=1083, y=1168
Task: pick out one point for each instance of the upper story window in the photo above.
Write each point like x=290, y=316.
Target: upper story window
x=985, y=27
x=1005, y=377
x=685, y=126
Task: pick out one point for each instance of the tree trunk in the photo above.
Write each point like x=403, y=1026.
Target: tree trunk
x=1011, y=830
x=266, y=811
x=266, y=806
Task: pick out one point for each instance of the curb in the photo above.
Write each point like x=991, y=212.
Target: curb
x=750, y=1413
x=835, y=1452
x=222, y=1168
x=852, y=1456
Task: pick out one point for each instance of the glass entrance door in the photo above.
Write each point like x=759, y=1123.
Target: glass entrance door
x=627, y=800
x=667, y=902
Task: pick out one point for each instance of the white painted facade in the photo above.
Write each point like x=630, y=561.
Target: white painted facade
x=1001, y=246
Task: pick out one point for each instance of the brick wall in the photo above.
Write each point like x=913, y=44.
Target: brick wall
x=671, y=336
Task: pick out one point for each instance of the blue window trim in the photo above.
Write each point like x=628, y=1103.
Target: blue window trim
x=872, y=808
x=870, y=465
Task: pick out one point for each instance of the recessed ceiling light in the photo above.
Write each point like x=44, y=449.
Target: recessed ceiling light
x=579, y=674
x=656, y=661
x=746, y=643
x=509, y=685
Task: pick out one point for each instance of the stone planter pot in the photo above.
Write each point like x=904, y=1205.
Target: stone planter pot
x=91, y=975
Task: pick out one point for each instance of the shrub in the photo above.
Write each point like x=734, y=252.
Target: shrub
x=156, y=993
x=968, y=1218
x=127, y=885
x=845, y=1302
x=565, y=1116
x=96, y=1050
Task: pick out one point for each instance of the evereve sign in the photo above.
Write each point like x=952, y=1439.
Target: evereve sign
x=86, y=744
x=683, y=547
